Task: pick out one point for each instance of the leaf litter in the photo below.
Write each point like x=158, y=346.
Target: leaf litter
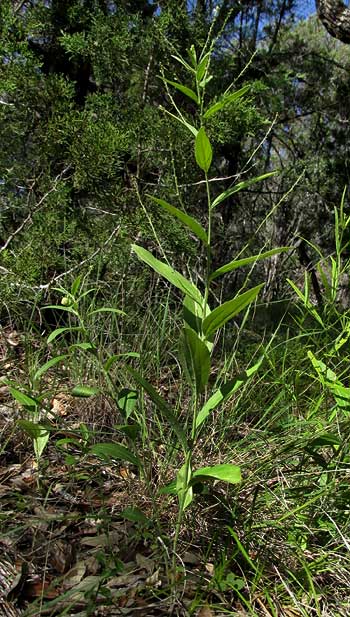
x=64, y=546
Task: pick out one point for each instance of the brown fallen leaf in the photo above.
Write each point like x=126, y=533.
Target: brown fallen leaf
x=92, y=565
x=13, y=339
x=104, y=539
x=87, y=584
x=61, y=404
x=154, y=580
x=124, y=580
x=191, y=558
x=10, y=575
x=205, y=611
x=4, y=393
x=210, y=568
x=7, y=609
x=5, y=490
x=38, y=588
x=145, y=563
x=61, y=556
x=290, y=611
x=74, y=576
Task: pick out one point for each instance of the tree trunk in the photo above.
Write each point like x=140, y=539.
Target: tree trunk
x=335, y=17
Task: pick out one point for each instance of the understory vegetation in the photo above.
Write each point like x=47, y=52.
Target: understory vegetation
x=174, y=341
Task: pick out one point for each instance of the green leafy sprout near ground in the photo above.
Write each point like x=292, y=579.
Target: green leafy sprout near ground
x=174, y=473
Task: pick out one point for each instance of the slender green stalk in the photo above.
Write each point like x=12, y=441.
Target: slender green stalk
x=208, y=250
x=182, y=505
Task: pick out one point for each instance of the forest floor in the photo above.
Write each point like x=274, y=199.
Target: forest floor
x=81, y=536
x=65, y=549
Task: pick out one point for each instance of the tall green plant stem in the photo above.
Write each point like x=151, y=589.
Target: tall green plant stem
x=189, y=454
x=208, y=264
x=200, y=324
x=182, y=501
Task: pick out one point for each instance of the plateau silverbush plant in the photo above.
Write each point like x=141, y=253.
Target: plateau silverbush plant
x=201, y=322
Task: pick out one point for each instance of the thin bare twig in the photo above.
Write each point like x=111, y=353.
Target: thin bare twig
x=189, y=183
x=5, y=271
x=34, y=210
x=19, y=6
x=100, y=211
x=144, y=95
x=82, y=263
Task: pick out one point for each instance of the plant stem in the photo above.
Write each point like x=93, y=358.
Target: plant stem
x=182, y=500
x=208, y=250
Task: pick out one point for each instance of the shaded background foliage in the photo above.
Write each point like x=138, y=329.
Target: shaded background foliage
x=85, y=139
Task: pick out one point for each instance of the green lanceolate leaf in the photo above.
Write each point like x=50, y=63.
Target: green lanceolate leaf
x=227, y=98
x=60, y=331
x=168, y=489
x=326, y=439
x=240, y=186
x=110, y=450
x=76, y=284
x=40, y=441
x=59, y=307
x=171, y=275
x=184, y=89
x=86, y=293
x=38, y=433
x=304, y=297
x=203, y=150
x=205, y=81
x=193, y=55
x=50, y=363
x=324, y=373
x=184, y=63
x=341, y=394
x=202, y=67
x=33, y=429
x=84, y=391
x=84, y=346
x=192, y=314
x=106, y=309
x=227, y=473
x=23, y=399
x=130, y=430
x=224, y=392
x=223, y=313
x=193, y=318
x=115, y=357
x=185, y=219
x=183, y=485
x=183, y=121
x=127, y=400
x=135, y=515
x=239, y=263
x=196, y=359
x=162, y=406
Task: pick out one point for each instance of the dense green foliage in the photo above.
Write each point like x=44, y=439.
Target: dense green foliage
x=85, y=138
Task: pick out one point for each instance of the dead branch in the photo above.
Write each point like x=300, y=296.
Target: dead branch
x=54, y=279
x=36, y=208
